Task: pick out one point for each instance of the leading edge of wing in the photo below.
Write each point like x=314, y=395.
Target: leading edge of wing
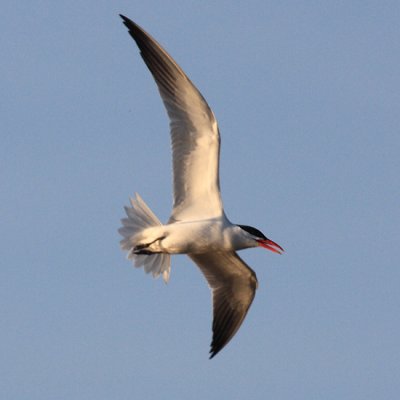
x=233, y=286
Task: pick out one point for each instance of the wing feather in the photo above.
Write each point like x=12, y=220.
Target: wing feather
x=233, y=285
x=194, y=133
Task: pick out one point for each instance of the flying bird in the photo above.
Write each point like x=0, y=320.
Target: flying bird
x=198, y=225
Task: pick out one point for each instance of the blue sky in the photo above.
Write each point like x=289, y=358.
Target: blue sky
x=307, y=99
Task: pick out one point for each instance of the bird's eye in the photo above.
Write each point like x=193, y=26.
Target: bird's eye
x=253, y=231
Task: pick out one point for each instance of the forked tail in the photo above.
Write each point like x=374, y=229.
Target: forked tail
x=140, y=217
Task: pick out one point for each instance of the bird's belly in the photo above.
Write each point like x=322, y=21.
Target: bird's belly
x=194, y=237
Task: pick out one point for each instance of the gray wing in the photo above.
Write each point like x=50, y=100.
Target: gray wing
x=194, y=133
x=233, y=286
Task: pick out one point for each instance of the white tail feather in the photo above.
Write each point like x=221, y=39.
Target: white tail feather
x=140, y=217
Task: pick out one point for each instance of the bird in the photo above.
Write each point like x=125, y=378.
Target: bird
x=198, y=225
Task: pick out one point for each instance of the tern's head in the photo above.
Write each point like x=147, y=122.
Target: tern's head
x=261, y=239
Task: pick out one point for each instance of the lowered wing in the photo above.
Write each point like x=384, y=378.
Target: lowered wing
x=233, y=285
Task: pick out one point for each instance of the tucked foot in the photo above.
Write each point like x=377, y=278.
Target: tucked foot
x=146, y=252
x=141, y=248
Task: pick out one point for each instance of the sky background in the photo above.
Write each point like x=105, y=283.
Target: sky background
x=307, y=95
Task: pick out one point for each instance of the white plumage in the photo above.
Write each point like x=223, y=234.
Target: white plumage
x=198, y=225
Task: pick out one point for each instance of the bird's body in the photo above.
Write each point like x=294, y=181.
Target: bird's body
x=216, y=234
x=198, y=225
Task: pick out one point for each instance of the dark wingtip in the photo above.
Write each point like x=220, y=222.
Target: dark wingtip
x=127, y=22
x=215, y=349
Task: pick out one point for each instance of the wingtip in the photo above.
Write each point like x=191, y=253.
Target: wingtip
x=214, y=351
x=126, y=21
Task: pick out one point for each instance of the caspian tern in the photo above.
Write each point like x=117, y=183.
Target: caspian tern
x=198, y=225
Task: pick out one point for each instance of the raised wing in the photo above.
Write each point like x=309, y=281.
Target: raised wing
x=233, y=286
x=194, y=133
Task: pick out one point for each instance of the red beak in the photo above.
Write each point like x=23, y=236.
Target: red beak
x=270, y=245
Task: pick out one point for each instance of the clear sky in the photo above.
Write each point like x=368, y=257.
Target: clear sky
x=307, y=95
